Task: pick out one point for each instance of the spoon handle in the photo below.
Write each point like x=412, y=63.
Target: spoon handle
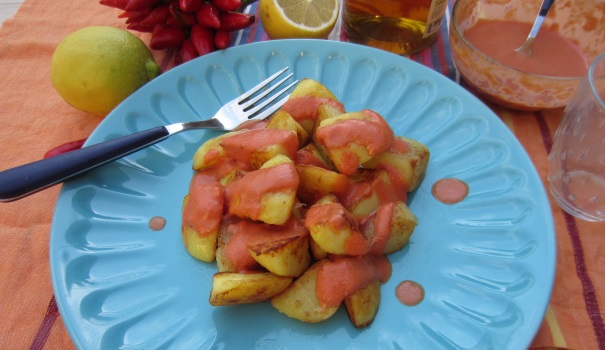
x=545, y=7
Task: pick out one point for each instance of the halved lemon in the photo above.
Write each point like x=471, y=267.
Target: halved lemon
x=283, y=19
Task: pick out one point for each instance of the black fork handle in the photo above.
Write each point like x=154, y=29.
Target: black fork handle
x=30, y=178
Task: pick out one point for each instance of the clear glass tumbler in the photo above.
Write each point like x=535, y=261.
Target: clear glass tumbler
x=576, y=161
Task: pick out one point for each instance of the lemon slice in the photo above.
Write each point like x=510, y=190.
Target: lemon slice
x=283, y=19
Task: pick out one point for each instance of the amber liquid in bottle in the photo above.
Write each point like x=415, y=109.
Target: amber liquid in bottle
x=400, y=26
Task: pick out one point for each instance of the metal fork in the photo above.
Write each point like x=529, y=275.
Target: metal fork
x=30, y=178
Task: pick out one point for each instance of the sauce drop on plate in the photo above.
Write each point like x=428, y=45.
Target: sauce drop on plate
x=410, y=293
x=552, y=54
x=450, y=190
x=157, y=223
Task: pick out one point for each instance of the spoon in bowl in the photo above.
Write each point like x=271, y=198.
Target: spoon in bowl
x=526, y=48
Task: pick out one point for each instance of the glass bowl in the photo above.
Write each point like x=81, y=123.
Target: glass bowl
x=580, y=22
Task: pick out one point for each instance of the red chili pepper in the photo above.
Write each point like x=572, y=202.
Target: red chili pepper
x=208, y=15
x=185, y=18
x=156, y=16
x=235, y=21
x=171, y=21
x=134, y=5
x=133, y=16
x=190, y=5
x=203, y=39
x=119, y=4
x=64, y=148
x=188, y=51
x=165, y=36
x=227, y=5
x=139, y=28
x=222, y=39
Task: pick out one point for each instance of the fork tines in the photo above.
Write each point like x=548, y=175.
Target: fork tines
x=248, y=101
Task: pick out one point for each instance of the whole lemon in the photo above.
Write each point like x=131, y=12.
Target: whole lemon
x=96, y=68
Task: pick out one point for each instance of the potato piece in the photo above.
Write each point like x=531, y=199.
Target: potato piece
x=313, y=88
x=299, y=300
x=224, y=264
x=210, y=152
x=231, y=288
x=267, y=194
x=329, y=198
x=372, y=188
x=352, y=139
x=232, y=176
x=326, y=111
x=257, y=146
x=315, y=182
x=275, y=161
x=362, y=306
x=304, y=101
x=407, y=157
x=335, y=230
x=316, y=252
x=283, y=121
x=285, y=256
x=200, y=247
x=232, y=253
x=389, y=228
x=403, y=225
x=310, y=155
x=202, y=213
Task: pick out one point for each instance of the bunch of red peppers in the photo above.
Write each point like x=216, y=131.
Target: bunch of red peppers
x=192, y=27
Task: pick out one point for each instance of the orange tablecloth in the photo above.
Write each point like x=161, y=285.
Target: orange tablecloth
x=34, y=119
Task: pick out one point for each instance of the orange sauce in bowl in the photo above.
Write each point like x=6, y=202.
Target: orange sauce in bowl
x=552, y=54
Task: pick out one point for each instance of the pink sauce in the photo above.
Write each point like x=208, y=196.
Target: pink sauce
x=410, y=293
x=450, y=190
x=157, y=223
x=552, y=54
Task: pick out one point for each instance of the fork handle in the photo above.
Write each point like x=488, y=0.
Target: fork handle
x=30, y=178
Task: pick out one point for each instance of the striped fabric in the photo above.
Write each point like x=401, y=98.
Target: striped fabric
x=30, y=108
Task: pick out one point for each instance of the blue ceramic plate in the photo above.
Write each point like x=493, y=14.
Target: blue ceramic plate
x=487, y=264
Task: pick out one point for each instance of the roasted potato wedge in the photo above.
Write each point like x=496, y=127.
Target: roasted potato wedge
x=316, y=182
x=267, y=194
x=257, y=146
x=299, y=300
x=210, y=152
x=312, y=88
x=283, y=121
x=408, y=157
x=351, y=139
x=335, y=230
x=371, y=189
x=387, y=239
x=231, y=288
x=288, y=256
x=363, y=305
x=202, y=213
x=304, y=101
x=310, y=155
x=326, y=111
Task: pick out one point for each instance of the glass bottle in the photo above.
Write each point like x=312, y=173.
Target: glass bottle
x=400, y=26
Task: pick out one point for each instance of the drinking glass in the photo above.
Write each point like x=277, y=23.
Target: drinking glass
x=576, y=160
